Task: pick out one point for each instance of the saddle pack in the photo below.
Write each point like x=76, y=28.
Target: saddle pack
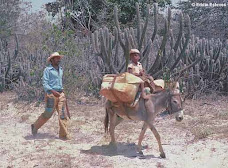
x=124, y=87
x=121, y=87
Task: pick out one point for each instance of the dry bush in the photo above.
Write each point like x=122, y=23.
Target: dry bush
x=202, y=131
x=206, y=116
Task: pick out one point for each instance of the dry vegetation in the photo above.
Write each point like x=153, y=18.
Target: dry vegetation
x=207, y=117
x=199, y=141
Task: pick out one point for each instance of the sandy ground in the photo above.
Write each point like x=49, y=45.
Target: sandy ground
x=89, y=145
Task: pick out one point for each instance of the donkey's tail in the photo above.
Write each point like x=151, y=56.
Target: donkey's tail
x=106, y=120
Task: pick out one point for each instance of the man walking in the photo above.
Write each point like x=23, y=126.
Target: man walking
x=54, y=97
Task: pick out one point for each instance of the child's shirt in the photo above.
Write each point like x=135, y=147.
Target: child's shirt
x=136, y=68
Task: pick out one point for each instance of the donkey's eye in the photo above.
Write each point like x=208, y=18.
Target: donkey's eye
x=174, y=101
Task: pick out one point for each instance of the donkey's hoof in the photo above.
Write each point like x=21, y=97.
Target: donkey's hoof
x=140, y=155
x=162, y=155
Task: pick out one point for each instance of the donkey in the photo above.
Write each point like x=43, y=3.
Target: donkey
x=146, y=111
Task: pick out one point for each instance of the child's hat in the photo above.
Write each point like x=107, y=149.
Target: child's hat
x=132, y=51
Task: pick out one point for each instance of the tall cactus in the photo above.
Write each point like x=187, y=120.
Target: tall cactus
x=204, y=60
x=155, y=22
x=126, y=40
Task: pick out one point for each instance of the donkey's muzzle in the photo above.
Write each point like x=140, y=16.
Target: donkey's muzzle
x=180, y=116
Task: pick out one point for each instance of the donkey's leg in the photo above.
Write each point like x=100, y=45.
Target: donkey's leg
x=113, y=121
x=157, y=136
x=141, y=136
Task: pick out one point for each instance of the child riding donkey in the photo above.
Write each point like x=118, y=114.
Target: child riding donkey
x=135, y=68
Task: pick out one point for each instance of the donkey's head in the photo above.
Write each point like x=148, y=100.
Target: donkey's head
x=174, y=103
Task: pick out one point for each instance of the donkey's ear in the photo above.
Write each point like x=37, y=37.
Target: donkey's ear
x=177, y=85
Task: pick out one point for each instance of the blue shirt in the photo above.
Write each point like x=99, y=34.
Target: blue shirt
x=52, y=79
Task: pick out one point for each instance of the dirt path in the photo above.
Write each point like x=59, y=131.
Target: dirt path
x=89, y=145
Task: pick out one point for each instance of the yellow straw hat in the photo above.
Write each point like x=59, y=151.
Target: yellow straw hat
x=55, y=54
